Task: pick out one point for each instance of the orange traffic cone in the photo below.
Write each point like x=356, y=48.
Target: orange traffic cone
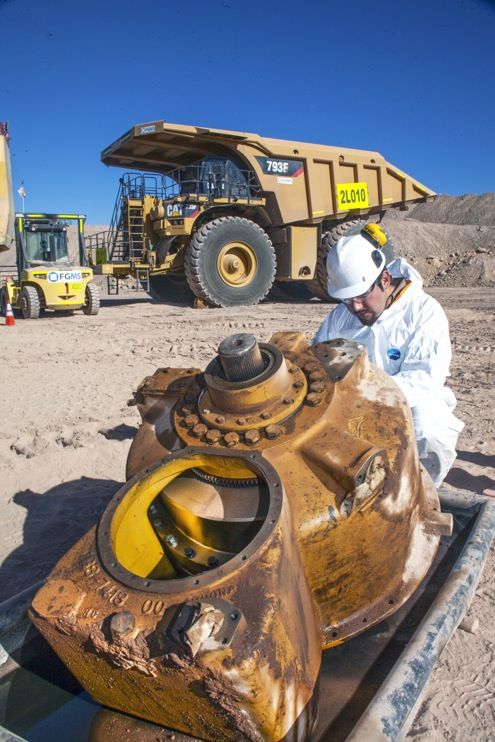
x=9, y=316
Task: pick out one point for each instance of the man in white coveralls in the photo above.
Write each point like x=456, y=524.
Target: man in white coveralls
x=405, y=331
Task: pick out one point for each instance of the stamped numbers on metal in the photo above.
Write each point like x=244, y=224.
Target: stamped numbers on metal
x=154, y=607
x=352, y=196
x=112, y=593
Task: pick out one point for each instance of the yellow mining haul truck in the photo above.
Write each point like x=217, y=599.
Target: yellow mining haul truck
x=43, y=277
x=231, y=213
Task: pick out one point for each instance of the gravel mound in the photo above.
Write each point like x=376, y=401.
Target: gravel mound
x=446, y=250
x=468, y=209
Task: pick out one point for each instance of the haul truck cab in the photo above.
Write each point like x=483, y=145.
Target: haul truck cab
x=47, y=278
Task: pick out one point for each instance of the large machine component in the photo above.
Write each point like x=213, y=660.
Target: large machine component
x=275, y=507
x=228, y=216
x=41, y=275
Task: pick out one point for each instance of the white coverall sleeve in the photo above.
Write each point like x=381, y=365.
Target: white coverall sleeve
x=427, y=357
x=328, y=329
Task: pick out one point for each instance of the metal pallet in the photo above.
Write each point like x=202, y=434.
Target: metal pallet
x=370, y=687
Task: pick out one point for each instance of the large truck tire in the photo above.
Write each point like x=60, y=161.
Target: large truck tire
x=91, y=300
x=172, y=289
x=3, y=301
x=318, y=286
x=29, y=303
x=229, y=262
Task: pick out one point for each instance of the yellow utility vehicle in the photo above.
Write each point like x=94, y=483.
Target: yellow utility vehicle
x=44, y=276
x=230, y=216
x=47, y=278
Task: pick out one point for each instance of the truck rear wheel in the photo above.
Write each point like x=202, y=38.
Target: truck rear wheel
x=29, y=303
x=91, y=300
x=318, y=286
x=229, y=262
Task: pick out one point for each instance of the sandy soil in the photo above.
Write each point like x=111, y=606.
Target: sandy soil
x=66, y=429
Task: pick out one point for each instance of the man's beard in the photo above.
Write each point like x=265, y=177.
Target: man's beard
x=368, y=319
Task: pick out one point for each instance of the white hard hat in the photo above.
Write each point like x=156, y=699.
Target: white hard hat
x=352, y=266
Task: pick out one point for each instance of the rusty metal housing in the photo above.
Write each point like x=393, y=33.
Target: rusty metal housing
x=275, y=507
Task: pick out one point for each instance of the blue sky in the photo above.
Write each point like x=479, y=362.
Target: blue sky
x=414, y=81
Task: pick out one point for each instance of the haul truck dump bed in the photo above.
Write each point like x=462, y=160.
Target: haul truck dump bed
x=232, y=212
x=7, y=238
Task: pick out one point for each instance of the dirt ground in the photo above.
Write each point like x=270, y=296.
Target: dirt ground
x=66, y=429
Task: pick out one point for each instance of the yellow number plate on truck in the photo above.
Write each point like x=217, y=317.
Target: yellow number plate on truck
x=352, y=196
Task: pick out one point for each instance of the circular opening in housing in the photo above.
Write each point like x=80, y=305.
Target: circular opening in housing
x=186, y=517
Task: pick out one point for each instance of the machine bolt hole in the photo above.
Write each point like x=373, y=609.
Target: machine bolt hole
x=234, y=616
x=391, y=601
x=224, y=640
x=335, y=633
x=195, y=582
x=365, y=620
x=147, y=583
x=243, y=558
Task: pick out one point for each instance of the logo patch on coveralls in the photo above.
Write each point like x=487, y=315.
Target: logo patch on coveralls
x=393, y=354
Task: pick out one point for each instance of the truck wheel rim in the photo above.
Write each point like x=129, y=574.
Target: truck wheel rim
x=237, y=264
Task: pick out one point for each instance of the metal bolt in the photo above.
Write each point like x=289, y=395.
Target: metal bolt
x=241, y=420
x=199, y=430
x=313, y=399
x=206, y=411
x=213, y=436
x=231, y=439
x=292, y=370
x=157, y=523
x=213, y=561
x=318, y=386
x=298, y=385
x=220, y=419
x=170, y=540
x=289, y=401
x=190, y=421
x=272, y=431
x=122, y=623
x=316, y=376
x=190, y=553
x=265, y=415
x=251, y=437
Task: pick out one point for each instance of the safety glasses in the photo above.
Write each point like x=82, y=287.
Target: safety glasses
x=361, y=297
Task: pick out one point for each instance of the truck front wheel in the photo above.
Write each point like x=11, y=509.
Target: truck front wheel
x=29, y=303
x=230, y=261
x=91, y=300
